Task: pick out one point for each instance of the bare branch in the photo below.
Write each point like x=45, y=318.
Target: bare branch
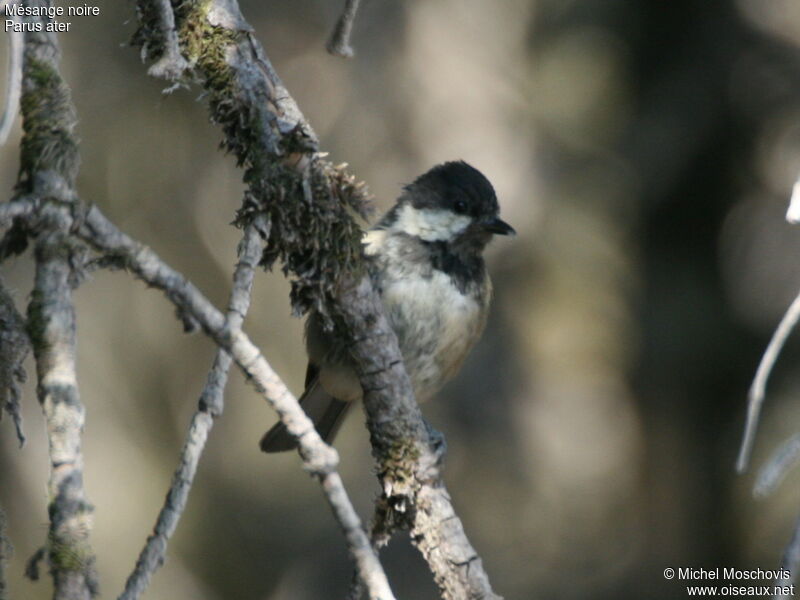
x=319, y=458
x=791, y=559
x=48, y=166
x=52, y=325
x=756, y=394
x=171, y=65
x=210, y=406
x=339, y=42
x=16, y=47
x=14, y=347
x=775, y=469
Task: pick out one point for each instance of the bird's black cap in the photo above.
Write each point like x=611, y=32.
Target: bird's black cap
x=459, y=187
x=447, y=184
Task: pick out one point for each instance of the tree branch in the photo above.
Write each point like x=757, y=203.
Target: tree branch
x=171, y=65
x=52, y=325
x=775, y=469
x=339, y=42
x=48, y=166
x=319, y=459
x=16, y=45
x=758, y=387
x=209, y=407
x=409, y=453
x=289, y=187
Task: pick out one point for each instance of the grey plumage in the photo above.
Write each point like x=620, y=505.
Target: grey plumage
x=425, y=259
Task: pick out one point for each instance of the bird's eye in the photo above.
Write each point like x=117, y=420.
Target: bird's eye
x=460, y=206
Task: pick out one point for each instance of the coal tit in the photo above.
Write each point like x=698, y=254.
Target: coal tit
x=425, y=259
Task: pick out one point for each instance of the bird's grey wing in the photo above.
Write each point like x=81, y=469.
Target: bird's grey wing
x=326, y=412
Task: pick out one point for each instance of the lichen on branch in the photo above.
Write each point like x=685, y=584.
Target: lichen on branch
x=309, y=203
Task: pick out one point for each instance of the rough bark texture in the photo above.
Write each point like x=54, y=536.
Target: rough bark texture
x=48, y=167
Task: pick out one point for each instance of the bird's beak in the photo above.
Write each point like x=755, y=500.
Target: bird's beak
x=499, y=227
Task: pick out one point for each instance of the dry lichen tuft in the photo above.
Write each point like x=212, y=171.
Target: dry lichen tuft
x=309, y=211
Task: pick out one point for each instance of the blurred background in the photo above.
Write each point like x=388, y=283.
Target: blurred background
x=643, y=150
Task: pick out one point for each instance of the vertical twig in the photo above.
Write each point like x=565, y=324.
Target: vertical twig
x=756, y=394
x=48, y=167
x=15, y=49
x=51, y=319
x=171, y=65
x=209, y=407
x=339, y=42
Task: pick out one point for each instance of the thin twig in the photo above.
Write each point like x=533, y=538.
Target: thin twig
x=210, y=406
x=381, y=532
x=171, y=65
x=319, y=458
x=339, y=42
x=791, y=560
x=14, y=347
x=756, y=394
x=775, y=469
x=16, y=48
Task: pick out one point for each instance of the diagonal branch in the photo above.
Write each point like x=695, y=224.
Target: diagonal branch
x=758, y=387
x=319, y=459
x=209, y=407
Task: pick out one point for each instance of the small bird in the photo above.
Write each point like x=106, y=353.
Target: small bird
x=425, y=259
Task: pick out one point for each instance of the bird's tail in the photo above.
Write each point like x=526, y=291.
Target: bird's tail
x=324, y=410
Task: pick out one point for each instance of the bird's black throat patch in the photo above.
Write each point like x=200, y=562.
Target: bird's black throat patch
x=466, y=270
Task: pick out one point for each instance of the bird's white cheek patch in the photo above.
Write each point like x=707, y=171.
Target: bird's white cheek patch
x=430, y=224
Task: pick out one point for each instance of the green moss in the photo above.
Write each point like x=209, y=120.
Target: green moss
x=73, y=555
x=48, y=143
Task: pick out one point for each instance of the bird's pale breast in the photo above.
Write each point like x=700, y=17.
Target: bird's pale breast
x=435, y=322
